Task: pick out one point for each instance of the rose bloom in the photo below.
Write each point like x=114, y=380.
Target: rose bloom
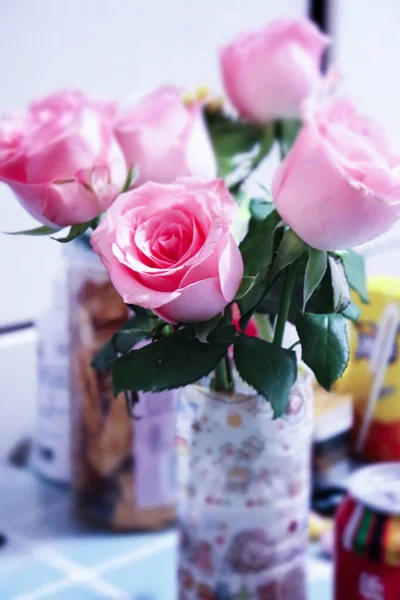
x=268, y=73
x=165, y=138
x=169, y=248
x=61, y=158
x=339, y=186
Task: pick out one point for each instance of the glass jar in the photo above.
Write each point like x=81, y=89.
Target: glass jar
x=122, y=465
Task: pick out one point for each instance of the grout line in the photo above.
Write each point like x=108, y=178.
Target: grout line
x=91, y=577
x=130, y=557
x=75, y=573
x=91, y=582
x=72, y=570
x=103, y=588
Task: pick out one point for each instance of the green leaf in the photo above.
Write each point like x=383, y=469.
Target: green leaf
x=224, y=333
x=316, y=266
x=258, y=245
x=42, y=230
x=325, y=345
x=74, y=232
x=354, y=266
x=135, y=330
x=245, y=286
x=340, y=286
x=321, y=302
x=289, y=132
x=239, y=147
x=352, y=312
x=270, y=370
x=290, y=249
x=172, y=362
x=104, y=357
x=204, y=328
x=125, y=340
x=265, y=235
x=139, y=310
x=251, y=299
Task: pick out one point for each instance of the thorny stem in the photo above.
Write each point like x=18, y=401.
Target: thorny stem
x=288, y=285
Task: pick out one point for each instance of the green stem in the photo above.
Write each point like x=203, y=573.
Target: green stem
x=223, y=370
x=128, y=181
x=279, y=138
x=231, y=383
x=288, y=284
x=264, y=327
x=293, y=346
x=228, y=313
x=221, y=377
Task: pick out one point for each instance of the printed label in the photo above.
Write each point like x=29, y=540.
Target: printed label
x=371, y=587
x=52, y=446
x=367, y=331
x=154, y=452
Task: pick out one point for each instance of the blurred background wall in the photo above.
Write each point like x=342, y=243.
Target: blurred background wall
x=117, y=48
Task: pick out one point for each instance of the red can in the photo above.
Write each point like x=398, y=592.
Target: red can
x=367, y=532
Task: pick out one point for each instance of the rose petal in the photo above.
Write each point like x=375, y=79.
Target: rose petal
x=198, y=301
x=126, y=283
x=230, y=269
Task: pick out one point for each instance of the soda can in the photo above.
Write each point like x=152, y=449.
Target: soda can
x=367, y=536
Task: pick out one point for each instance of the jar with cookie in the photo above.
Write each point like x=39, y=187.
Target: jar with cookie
x=123, y=467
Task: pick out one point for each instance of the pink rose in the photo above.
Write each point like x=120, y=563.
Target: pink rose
x=169, y=248
x=268, y=73
x=165, y=138
x=61, y=158
x=339, y=186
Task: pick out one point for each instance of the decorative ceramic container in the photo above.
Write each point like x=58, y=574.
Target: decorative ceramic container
x=244, y=485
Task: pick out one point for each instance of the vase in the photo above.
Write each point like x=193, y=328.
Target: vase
x=123, y=464
x=244, y=487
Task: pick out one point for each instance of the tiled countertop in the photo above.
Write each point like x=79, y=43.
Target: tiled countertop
x=50, y=555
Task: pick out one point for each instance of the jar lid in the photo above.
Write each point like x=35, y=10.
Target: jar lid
x=378, y=487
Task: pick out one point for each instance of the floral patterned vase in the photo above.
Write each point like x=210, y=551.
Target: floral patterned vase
x=244, y=484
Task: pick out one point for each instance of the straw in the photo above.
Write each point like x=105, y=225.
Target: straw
x=379, y=361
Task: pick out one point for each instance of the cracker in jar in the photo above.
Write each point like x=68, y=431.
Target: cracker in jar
x=103, y=303
x=113, y=441
x=86, y=384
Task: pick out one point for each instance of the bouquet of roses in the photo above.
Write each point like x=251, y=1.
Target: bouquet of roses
x=163, y=184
